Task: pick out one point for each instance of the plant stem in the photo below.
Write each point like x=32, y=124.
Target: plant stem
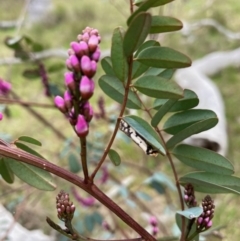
x=25, y=103
x=173, y=169
x=83, y=154
x=19, y=155
x=127, y=88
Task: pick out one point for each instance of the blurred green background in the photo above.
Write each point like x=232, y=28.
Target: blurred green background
x=57, y=28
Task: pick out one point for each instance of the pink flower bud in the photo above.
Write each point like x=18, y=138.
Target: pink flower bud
x=1, y=116
x=209, y=224
x=153, y=221
x=86, y=66
x=85, y=37
x=86, y=87
x=93, y=68
x=70, y=52
x=76, y=47
x=69, y=80
x=5, y=87
x=75, y=63
x=68, y=64
x=94, y=32
x=83, y=48
x=59, y=102
x=93, y=43
x=68, y=99
x=87, y=111
x=81, y=127
x=96, y=55
x=199, y=220
x=155, y=231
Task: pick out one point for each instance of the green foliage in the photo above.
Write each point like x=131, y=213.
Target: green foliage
x=113, y=87
x=114, y=157
x=146, y=131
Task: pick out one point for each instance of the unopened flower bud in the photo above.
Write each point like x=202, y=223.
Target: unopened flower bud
x=1, y=116
x=68, y=64
x=155, y=231
x=71, y=52
x=209, y=224
x=87, y=111
x=93, y=43
x=81, y=127
x=85, y=37
x=86, y=88
x=68, y=99
x=153, y=221
x=74, y=63
x=86, y=66
x=96, y=55
x=69, y=81
x=59, y=102
x=5, y=87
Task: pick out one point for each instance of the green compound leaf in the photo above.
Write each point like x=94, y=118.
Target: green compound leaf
x=164, y=109
x=203, y=159
x=113, y=88
x=136, y=33
x=161, y=24
x=119, y=61
x=114, y=157
x=106, y=64
x=32, y=175
x=163, y=57
x=145, y=5
x=158, y=87
x=146, y=131
x=189, y=101
x=191, y=130
x=179, y=121
x=30, y=140
x=212, y=182
x=6, y=172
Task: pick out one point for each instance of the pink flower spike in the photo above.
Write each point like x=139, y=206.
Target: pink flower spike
x=81, y=127
x=86, y=88
x=93, y=43
x=59, y=102
x=69, y=80
x=1, y=116
x=96, y=55
x=86, y=66
x=75, y=63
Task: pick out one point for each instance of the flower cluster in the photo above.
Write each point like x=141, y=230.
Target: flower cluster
x=189, y=196
x=204, y=221
x=153, y=222
x=65, y=208
x=5, y=87
x=82, y=64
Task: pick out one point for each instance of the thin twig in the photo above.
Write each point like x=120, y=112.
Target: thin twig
x=25, y=103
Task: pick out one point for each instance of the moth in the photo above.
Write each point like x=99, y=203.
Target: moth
x=137, y=138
